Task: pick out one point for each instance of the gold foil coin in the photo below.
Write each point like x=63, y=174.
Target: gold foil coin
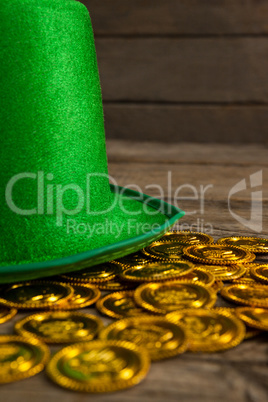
x=59, y=327
x=36, y=294
x=208, y=330
x=217, y=254
x=217, y=286
x=247, y=294
x=253, y=244
x=99, y=366
x=21, y=358
x=247, y=278
x=187, y=238
x=157, y=271
x=250, y=332
x=163, y=297
x=161, y=338
x=119, y=305
x=254, y=317
x=133, y=259
x=199, y=275
x=164, y=250
x=84, y=296
x=225, y=272
x=6, y=313
x=260, y=273
x=116, y=285
x=97, y=274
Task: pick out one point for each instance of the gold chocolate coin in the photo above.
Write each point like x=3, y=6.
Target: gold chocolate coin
x=116, y=285
x=247, y=278
x=161, y=338
x=253, y=244
x=247, y=294
x=225, y=272
x=84, y=296
x=163, y=297
x=157, y=271
x=254, y=317
x=133, y=259
x=119, y=305
x=36, y=294
x=6, y=313
x=250, y=332
x=208, y=330
x=260, y=273
x=199, y=275
x=59, y=327
x=164, y=250
x=99, y=366
x=187, y=237
x=217, y=254
x=21, y=358
x=97, y=274
x=217, y=285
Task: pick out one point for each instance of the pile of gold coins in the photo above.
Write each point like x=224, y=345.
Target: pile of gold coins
x=161, y=301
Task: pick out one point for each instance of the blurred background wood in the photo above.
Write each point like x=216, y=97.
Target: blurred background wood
x=183, y=70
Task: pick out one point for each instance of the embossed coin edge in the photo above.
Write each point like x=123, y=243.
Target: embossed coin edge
x=147, y=306
x=156, y=354
x=20, y=330
x=62, y=380
x=43, y=349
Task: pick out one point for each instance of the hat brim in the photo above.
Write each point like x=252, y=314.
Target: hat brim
x=22, y=272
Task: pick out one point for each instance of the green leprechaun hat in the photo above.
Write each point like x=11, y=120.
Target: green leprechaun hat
x=58, y=211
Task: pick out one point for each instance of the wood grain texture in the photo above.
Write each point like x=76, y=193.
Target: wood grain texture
x=180, y=123
x=237, y=375
x=189, y=70
x=185, y=153
x=178, y=17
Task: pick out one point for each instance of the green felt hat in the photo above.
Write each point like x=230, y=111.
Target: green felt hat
x=59, y=213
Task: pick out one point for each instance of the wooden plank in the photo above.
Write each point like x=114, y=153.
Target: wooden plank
x=222, y=70
x=178, y=17
x=201, y=190
x=178, y=123
x=125, y=151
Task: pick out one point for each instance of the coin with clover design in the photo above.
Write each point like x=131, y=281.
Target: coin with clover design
x=254, y=244
x=163, y=297
x=36, y=294
x=157, y=271
x=247, y=294
x=119, y=305
x=217, y=254
x=59, y=327
x=161, y=338
x=187, y=237
x=99, y=366
x=21, y=358
x=208, y=330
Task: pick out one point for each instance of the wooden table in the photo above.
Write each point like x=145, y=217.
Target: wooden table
x=238, y=375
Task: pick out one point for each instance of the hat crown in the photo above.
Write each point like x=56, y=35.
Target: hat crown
x=51, y=117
